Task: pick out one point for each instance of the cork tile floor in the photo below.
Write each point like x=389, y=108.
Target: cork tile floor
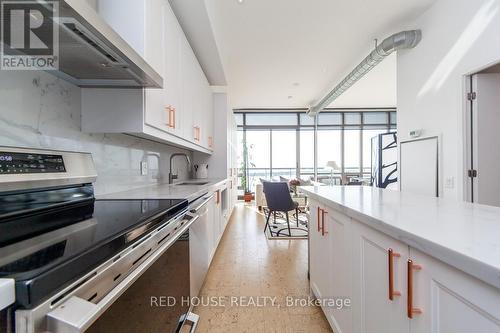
x=246, y=268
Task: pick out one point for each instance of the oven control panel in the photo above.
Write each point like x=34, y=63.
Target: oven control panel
x=21, y=163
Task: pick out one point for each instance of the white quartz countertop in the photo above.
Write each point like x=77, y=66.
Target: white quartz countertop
x=463, y=235
x=169, y=191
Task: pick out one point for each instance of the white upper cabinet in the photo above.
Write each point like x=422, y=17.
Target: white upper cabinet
x=176, y=114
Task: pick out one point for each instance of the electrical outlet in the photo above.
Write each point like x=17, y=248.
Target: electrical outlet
x=144, y=168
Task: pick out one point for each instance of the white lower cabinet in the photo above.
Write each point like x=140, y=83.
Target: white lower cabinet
x=451, y=301
x=372, y=309
x=319, y=247
x=392, y=286
x=330, y=263
x=339, y=232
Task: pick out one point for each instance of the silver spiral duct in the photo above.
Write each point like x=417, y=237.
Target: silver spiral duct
x=401, y=40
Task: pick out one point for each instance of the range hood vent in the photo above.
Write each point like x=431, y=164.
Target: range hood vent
x=92, y=54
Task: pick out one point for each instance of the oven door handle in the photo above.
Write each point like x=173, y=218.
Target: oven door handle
x=76, y=314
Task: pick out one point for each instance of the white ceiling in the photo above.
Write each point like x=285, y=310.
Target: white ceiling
x=273, y=49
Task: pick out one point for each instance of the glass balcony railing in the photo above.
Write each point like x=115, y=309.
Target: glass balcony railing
x=325, y=175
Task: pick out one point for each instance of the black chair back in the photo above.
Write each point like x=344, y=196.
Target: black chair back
x=278, y=196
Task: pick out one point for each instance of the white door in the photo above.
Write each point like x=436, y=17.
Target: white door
x=217, y=230
x=212, y=241
x=485, y=123
x=200, y=240
x=372, y=309
x=319, y=254
x=341, y=268
x=451, y=300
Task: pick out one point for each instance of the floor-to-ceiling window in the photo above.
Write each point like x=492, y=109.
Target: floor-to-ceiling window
x=332, y=148
x=284, y=153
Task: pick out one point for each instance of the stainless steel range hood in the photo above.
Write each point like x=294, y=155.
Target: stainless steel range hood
x=92, y=54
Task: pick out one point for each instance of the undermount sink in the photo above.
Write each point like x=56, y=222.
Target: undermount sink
x=193, y=183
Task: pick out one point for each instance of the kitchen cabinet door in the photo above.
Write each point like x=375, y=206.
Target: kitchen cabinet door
x=339, y=234
x=146, y=35
x=187, y=95
x=372, y=309
x=172, y=80
x=212, y=241
x=450, y=300
x=319, y=253
x=217, y=218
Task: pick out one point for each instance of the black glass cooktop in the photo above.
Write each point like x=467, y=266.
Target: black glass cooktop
x=45, y=249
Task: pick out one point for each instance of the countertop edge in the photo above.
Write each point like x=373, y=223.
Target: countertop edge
x=478, y=269
x=155, y=191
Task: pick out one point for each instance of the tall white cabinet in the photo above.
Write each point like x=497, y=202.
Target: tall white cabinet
x=393, y=287
x=223, y=161
x=181, y=113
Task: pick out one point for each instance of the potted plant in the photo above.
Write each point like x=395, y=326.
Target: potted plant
x=248, y=195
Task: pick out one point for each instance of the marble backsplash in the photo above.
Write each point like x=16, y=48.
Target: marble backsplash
x=40, y=110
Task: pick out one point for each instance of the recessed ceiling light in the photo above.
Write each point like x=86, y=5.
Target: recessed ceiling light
x=240, y=1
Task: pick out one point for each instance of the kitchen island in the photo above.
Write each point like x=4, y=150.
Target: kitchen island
x=405, y=260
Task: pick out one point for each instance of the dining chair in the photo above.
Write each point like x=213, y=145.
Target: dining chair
x=278, y=199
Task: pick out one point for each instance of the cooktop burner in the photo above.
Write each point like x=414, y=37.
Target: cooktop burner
x=44, y=249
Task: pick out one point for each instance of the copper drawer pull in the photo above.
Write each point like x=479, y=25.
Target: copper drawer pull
x=196, y=133
x=173, y=117
x=318, y=218
x=391, y=254
x=323, y=231
x=410, y=309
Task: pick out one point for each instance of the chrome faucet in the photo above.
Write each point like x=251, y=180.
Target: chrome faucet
x=171, y=176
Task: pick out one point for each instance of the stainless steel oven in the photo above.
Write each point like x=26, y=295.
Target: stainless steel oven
x=86, y=265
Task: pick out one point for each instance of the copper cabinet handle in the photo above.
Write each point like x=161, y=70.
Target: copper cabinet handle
x=210, y=143
x=168, y=110
x=323, y=231
x=318, y=218
x=171, y=116
x=218, y=197
x=197, y=133
x=391, y=255
x=410, y=309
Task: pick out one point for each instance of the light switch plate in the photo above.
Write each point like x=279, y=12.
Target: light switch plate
x=449, y=182
x=144, y=168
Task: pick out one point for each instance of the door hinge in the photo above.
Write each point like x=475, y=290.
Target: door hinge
x=471, y=96
x=472, y=173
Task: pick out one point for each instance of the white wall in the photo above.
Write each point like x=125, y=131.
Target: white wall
x=40, y=110
x=459, y=37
